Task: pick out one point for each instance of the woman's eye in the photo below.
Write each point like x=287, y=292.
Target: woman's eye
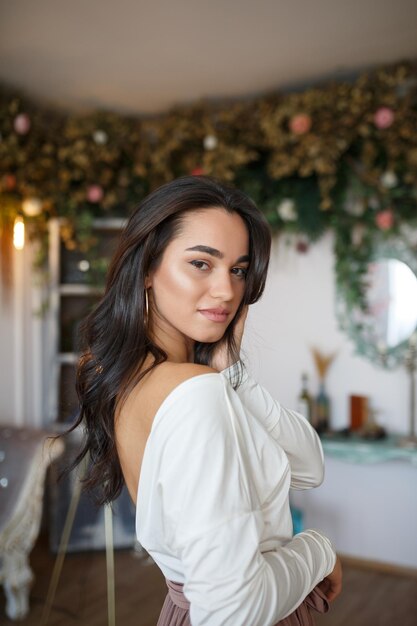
x=199, y=265
x=241, y=272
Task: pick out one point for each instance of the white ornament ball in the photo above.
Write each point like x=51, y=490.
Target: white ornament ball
x=355, y=207
x=389, y=179
x=286, y=210
x=100, y=137
x=354, y=204
x=83, y=265
x=32, y=207
x=210, y=142
x=374, y=203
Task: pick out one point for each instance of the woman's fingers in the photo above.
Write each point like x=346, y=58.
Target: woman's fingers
x=332, y=584
x=220, y=358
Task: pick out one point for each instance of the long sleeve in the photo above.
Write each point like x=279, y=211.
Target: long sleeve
x=289, y=428
x=206, y=478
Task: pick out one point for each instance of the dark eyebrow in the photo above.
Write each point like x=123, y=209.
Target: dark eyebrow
x=219, y=255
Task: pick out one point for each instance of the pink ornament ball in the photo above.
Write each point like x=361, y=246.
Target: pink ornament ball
x=21, y=123
x=384, y=117
x=385, y=219
x=95, y=193
x=300, y=124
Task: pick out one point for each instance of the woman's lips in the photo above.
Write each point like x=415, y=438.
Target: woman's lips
x=214, y=316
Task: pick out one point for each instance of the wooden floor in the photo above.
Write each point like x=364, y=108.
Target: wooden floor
x=369, y=598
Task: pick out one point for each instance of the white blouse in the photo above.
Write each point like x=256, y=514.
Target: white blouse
x=213, y=501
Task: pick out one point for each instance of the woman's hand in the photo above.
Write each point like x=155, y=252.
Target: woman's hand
x=331, y=586
x=220, y=359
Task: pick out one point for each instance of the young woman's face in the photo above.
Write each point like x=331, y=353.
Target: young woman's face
x=200, y=281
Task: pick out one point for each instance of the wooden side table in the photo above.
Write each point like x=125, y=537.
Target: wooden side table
x=25, y=455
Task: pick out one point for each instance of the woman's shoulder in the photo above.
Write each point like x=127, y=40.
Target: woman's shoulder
x=166, y=381
x=182, y=371
x=192, y=406
x=167, y=377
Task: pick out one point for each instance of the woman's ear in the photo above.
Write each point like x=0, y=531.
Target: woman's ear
x=148, y=282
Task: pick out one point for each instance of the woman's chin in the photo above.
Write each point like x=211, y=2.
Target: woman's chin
x=208, y=337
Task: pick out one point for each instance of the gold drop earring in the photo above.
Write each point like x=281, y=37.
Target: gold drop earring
x=146, y=307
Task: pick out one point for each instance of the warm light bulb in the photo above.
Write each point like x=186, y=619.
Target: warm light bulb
x=19, y=233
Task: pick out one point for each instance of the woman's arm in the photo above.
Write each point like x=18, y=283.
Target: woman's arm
x=210, y=500
x=292, y=431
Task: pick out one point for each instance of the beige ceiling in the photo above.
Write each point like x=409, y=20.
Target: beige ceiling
x=142, y=57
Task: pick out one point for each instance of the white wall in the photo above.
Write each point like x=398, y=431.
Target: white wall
x=368, y=511
x=296, y=312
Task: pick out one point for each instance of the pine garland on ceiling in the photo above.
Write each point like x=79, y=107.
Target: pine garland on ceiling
x=342, y=157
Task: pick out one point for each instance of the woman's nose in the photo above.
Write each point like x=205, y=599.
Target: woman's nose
x=222, y=286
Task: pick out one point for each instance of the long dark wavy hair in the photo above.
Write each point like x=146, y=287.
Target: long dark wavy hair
x=115, y=335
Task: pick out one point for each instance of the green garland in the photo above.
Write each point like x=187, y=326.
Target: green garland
x=343, y=157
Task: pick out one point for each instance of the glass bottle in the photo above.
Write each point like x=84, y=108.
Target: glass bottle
x=322, y=410
x=304, y=400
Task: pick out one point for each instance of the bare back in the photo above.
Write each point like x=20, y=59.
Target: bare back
x=133, y=422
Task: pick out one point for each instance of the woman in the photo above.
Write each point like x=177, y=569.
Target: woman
x=206, y=453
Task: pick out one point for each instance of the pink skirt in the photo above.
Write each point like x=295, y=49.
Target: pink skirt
x=175, y=611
